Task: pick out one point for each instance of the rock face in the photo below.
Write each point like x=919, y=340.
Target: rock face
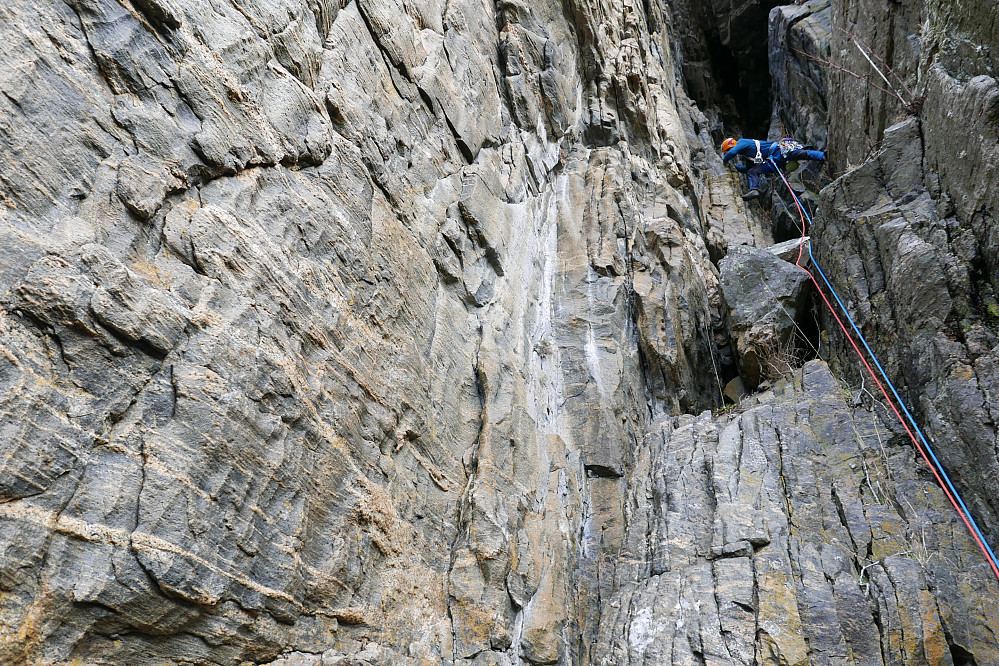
x=389, y=333
x=775, y=537
x=799, y=53
x=909, y=233
x=327, y=324
x=725, y=60
x=767, y=298
x=883, y=232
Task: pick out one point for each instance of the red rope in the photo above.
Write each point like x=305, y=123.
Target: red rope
x=891, y=404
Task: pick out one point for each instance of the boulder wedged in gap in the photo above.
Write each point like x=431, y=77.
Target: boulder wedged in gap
x=766, y=297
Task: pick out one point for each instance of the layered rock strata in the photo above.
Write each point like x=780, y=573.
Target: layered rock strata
x=800, y=531
x=327, y=324
x=799, y=60
x=919, y=288
x=908, y=233
x=388, y=332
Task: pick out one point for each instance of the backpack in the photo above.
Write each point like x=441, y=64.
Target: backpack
x=788, y=146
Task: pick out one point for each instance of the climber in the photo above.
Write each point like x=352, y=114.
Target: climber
x=761, y=152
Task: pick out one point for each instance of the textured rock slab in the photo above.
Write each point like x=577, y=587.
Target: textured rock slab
x=766, y=298
x=911, y=277
x=320, y=323
x=798, y=46
x=331, y=333
x=781, y=535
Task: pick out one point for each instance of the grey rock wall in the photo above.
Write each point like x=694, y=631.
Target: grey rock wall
x=327, y=325
x=799, y=531
x=725, y=61
x=908, y=230
x=389, y=333
x=798, y=49
x=921, y=292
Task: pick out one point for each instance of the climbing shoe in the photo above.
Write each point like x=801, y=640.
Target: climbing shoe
x=751, y=194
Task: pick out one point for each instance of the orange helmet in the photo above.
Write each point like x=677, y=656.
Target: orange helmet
x=728, y=144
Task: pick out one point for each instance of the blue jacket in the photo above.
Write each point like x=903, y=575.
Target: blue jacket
x=747, y=148
x=769, y=150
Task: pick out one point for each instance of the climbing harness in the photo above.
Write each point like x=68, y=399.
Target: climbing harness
x=938, y=471
x=759, y=153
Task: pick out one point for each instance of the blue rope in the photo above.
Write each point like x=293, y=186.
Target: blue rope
x=884, y=375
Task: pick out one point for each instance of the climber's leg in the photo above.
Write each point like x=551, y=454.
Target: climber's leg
x=754, y=174
x=806, y=155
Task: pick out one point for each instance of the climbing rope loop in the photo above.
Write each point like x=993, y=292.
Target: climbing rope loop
x=922, y=444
